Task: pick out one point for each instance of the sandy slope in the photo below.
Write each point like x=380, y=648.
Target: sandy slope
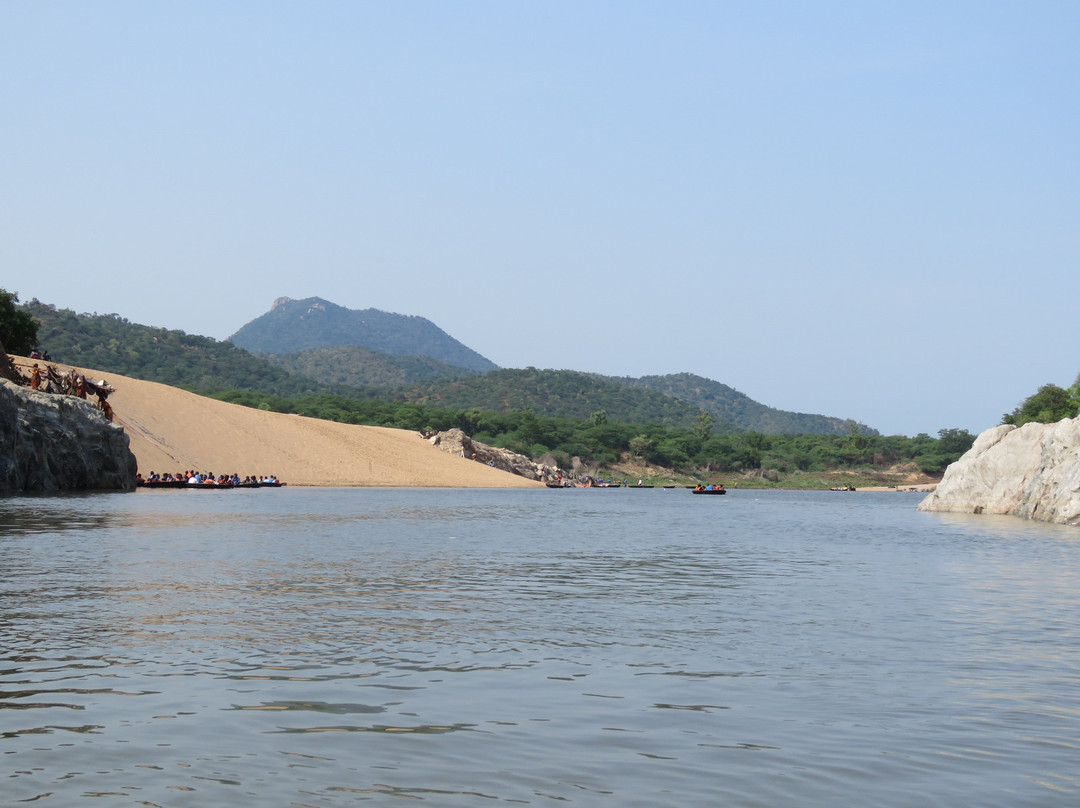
x=172, y=430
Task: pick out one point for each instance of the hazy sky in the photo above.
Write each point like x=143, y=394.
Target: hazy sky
x=861, y=209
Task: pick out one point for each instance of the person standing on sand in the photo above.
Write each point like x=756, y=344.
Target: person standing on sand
x=35, y=378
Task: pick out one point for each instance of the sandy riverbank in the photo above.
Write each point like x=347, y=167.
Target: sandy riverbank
x=173, y=430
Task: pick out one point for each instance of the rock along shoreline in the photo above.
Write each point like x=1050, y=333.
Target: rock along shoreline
x=53, y=443
x=1032, y=471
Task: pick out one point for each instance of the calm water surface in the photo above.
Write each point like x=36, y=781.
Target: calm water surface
x=331, y=647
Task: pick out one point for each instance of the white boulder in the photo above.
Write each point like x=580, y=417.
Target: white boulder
x=1031, y=471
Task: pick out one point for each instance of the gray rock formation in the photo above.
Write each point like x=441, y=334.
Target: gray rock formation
x=51, y=443
x=457, y=442
x=1031, y=471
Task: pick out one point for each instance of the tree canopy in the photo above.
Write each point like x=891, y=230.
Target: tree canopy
x=1049, y=404
x=18, y=330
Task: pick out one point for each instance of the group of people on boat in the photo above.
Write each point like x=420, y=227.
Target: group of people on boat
x=599, y=482
x=700, y=487
x=193, y=477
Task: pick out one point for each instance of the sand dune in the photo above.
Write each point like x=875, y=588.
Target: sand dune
x=173, y=430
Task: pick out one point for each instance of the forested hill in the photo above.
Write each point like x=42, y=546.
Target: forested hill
x=564, y=393
x=356, y=366
x=110, y=343
x=675, y=400
x=728, y=404
x=294, y=325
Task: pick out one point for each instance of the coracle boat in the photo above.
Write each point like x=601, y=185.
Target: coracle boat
x=183, y=485
x=186, y=486
x=708, y=490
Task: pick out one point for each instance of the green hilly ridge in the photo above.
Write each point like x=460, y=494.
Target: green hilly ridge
x=684, y=423
x=728, y=404
x=558, y=393
x=295, y=325
x=355, y=366
x=110, y=342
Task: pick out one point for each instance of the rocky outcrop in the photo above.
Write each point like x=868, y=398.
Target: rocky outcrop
x=52, y=443
x=1031, y=471
x=457, y=442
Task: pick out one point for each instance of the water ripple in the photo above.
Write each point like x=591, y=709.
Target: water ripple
x=325, y=647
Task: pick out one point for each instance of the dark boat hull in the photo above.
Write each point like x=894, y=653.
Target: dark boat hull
x=714, y=491
x=186, y=486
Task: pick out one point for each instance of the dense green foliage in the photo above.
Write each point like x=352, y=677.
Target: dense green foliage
x=1049, y=404
x=676, y=399
x=361, y=367
x=18, y=328
x=728, y=405
x=562, y=414
x=599, y=440
x=296, y=325
x=553, y=393
x=110, y=343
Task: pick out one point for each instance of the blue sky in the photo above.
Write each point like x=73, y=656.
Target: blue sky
x=859, y=209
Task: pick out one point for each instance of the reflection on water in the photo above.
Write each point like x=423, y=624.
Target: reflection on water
x=325, y=647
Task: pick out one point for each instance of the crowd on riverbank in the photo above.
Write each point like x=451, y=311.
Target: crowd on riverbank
x=48, y=379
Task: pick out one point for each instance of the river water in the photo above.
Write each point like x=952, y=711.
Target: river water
x=333, y=647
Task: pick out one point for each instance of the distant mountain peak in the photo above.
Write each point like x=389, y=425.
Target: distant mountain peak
x=296, y=325
x=310, y=305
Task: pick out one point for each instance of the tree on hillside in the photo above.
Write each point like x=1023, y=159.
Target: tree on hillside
x=1074, y=394
x=1051, y=403
x=954, y=441
x=18, y=330
x=704, y=426
x=950, y=445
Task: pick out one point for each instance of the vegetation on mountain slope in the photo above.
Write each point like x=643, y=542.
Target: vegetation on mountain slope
x=557, y=393
x=18, y=328
x=359, y=367
x=692, y=449
x=729, y=405
x=576, y=415
x=295, y=325
x=111, y=343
